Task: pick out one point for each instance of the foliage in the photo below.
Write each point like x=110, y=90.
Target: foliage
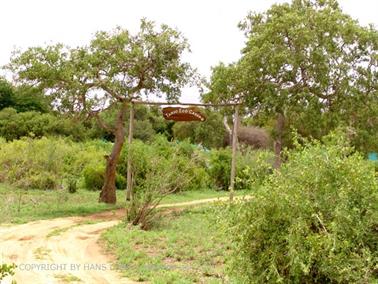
x=45, y=163
x=220, y=167
x=161, y=179
x=252, y=167
x=308, y=62
x=71, y=185
x=22, y=98
x=148, y=121
x=94, y=178
x=314, y=221
x=209, y=134
x=15, y=125
x=6, y=270
x=6, y=94
x=180, y=154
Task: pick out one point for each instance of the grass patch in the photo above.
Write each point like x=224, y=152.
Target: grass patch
x=42, y=253
x=185, y=247
x=21, y=206
x=196, y=195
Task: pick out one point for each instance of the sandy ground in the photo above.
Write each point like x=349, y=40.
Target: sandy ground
x=65, y=250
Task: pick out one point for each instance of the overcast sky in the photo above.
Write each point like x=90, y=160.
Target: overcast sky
x=209, y=25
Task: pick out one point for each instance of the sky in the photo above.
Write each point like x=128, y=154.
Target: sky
x=209, y=25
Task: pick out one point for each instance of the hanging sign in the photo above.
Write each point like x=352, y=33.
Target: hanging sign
x=183, y=114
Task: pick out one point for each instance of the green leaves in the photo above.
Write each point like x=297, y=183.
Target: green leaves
x=115, y=67
x=312, y=222
x=303, y=59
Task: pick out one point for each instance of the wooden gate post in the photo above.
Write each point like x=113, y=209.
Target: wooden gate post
x=234, y=147
x=129, y=191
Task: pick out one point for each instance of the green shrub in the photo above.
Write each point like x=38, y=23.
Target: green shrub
x=94, y=178
x=7, y=270
x=15, y=125
x=71, y=185
x=252, y=167
x=220, y=167
x=178, y=153
x=45, y=163
x=34, y=163
x=314, y=221
x=162, y=177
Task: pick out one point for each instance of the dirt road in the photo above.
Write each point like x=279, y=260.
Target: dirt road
x=64, y=250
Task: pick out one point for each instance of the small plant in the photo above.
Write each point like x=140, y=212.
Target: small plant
x=7, y=270
x=71, y=185
x=162, y=177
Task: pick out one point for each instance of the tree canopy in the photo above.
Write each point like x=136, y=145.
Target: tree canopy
x=115, y=68
x=305, y=60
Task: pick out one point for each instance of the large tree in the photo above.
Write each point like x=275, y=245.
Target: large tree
x=303, y=62
x=114, y=69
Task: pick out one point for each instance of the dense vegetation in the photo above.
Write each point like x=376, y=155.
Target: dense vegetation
x=306, y=70
x=315, y=221
x=51, y=163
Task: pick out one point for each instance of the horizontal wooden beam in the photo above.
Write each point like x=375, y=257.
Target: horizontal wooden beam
x=184, y=104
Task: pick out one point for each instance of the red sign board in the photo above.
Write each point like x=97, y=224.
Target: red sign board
x=183, y=114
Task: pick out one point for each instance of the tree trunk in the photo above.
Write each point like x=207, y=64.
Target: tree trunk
x=129, y=190
x=280, y=125
x=108, y=192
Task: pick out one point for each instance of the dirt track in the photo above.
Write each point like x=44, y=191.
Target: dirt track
x=64, y=250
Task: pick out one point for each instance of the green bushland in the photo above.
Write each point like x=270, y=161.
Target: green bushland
x=184, y=247
x=47, y=163
x=14, y=125
x=314, y=221
x=57, y=162
x=252, y=167
x=179, y=154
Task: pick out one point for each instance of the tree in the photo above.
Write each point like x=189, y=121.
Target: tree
x=114, y=69
x=22, y=98
x=6, y=94
x=210, y=133
x=305, y=59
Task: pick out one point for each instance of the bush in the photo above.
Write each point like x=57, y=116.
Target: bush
x=45, y=163
x=315, y=221
x=252, y=167
x=94, y=178
x=71, y=185
x=179, y=154
x=220, y=167
x=15, y=125
x=162, y=177
x=33, y=163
